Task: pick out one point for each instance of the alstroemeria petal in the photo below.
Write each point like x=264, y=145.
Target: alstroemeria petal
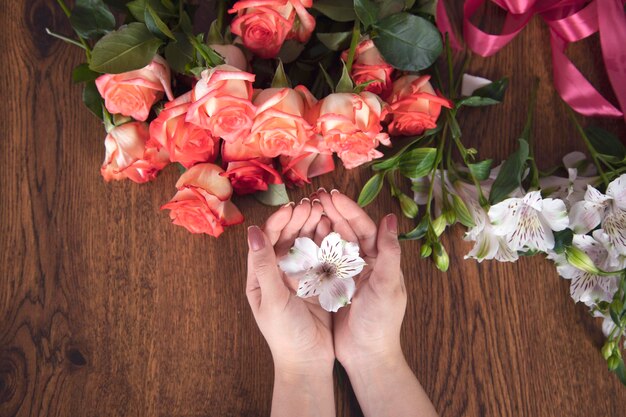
x=349, y=266
x=617, y=190
x=555, y=214
x=302, y=257
x=505, y=215
x=309, y=286
x=331, y=249
x=585, y=216
x=614, y=225
x=336, y=293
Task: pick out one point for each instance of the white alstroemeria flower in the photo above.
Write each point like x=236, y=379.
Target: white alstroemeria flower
x=607, y=210
x=527, y=223
x=571, y=189
x=326, y=271
x=488, y=245
x=587, y=287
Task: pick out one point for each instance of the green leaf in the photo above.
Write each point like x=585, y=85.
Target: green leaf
x=605, y=142
x=327, y=77
x=562, y=240
x=481, y=170
x=418, y=162
x=156, y=25
x=137, y=9
x=345, y=84
x=92, y=99
x=337, y=10
x=290, y=51
x=82, y=73
x=462, y=212
x=280, y=79
x=476, y=102
x=510, y=175
x=92, y=18
x=179, y=53
x=338, y=41
x=366, y=11
x=620, y=371
x=276, y=195
x=129, y=48
x=371, y=189
x=389, y=7
x=408, y=42
x=494, y=91
x=361, y=87
x=419, y=231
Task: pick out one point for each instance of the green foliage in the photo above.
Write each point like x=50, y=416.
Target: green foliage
x=462, y=212
x=605, y=143
x=345, y=84
x=337, y=10
x=280, y=79
x=156, y=25
x=371, y=189
x=408, y=42
x=418, y=232
x=92, y=99
x=82, y=73
x=179, y=53
x=510, y=176
x=487, y=95
x=481, y=170
x=338, y=41
x=276, y=195
x=562, y=240
x=92, y=18
x=366, y=11
x=417, y=162
x=129, y=48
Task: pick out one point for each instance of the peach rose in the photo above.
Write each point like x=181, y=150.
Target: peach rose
x=250, y=176
x=279, y=126
x=129, y=154
x=299, y=170
x=185, y=142
x=264, y=25
x=232, y=55
x=133, y=93
x=369, y=65
x=350, y=125
x=414, y=106
x=202, y=203
x=220, y=102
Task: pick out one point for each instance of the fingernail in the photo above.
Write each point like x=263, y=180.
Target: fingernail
x=334, y=191
x=290, y=204
x=305, y=200
x=256, y=240
x=392, y=223
x=322, y=190
x=316, y=201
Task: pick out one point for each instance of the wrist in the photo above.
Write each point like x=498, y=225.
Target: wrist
x=299, y=371
x=374, y=361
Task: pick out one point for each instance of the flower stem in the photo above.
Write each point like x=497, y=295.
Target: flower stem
x=356, y=35
x=221, y=9
x=592, y=150
x=526, y=134
x=438, y=159
x=84, y=44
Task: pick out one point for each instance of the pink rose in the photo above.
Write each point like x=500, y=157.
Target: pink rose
x=350, y=125
x=202, y=203
x=221, y=102
x=240, y=151
x=264, y=25
x=414, y=106
x=299, y=170
x=279, y=126
x=369, y=65
x=133, y=93
x=250, y=176
x=185, y=142
x=232, y=55
x=129, y=154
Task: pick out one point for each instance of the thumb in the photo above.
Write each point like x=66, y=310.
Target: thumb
x=387, y=270
x=264, y=266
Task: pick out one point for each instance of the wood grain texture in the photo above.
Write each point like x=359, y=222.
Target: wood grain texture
x=106, y=309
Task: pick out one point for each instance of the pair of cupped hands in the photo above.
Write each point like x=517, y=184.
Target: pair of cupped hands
x=303, y=337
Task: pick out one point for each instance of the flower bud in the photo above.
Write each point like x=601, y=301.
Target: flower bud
x=426, y=250
x=408, y=206
x=613, y=362
x=439, y=225
x=450, y=216
x=607, y=350
x=579, y=259
x=441, y=258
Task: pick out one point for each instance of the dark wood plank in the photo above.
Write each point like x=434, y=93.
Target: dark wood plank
x=106, y=309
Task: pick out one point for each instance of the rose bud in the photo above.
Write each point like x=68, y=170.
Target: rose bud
x=202, y=203
x=299, y=170
x=133, y=93
x=369, y=65
x=247, y=177
x=129, y=154
x=414, y=106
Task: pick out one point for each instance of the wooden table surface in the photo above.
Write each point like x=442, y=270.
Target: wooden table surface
x=106, y=309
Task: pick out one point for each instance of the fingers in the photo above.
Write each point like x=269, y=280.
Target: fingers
x=339, y=223
x=277, y=222
x=308, y=229
x=361, y=224
x=292, y=229
x=263, y=271
x=322, y=230
x=387, y=272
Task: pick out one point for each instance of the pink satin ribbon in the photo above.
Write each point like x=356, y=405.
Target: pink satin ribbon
x=569, y=21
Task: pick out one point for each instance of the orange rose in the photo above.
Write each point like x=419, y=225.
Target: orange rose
x=279, y=127
x=369, y=65
x=185, y=142
x=202, y=203
x=350, y=125
x=414, y=106
x=133, y=93
x=300, y=169
x=221, y=102
x=250, y=176
x=129, y=154
x=232, y=55
x=264, y=25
